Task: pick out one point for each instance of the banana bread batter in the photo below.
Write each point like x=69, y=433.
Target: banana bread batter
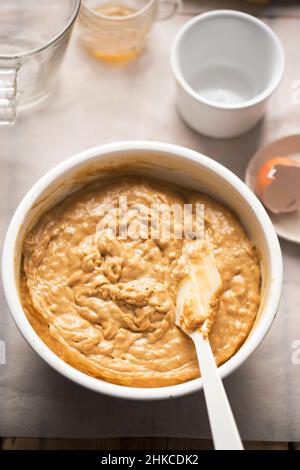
x=106, y=305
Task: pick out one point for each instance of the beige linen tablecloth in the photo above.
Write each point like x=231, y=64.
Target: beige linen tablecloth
x=95, y=104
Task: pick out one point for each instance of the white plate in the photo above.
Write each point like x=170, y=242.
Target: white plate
x=287, y=226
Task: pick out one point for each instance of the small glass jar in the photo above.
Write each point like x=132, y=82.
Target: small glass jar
x=116, y=31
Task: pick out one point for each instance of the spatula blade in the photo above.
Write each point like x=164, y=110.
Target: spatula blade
x=198, y=295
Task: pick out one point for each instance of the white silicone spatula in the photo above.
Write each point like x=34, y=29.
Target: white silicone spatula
x=195, y=305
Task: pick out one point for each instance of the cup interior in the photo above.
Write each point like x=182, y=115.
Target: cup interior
x=229, y=57
x=125, y=7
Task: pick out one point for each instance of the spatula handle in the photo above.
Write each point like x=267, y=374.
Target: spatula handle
x=224, y=430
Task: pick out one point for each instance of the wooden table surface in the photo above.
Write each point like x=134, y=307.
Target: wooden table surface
x=279, y=9
x=139, y=443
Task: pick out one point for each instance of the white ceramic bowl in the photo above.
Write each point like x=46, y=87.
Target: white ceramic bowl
x=167, y=162
x=226, y=64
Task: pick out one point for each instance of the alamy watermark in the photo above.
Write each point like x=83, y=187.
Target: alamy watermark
x=296, y=352
x=160, y=221
x=295, y=94
x=2, y=353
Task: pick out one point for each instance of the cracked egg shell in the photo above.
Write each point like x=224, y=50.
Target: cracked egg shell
x=278, y=185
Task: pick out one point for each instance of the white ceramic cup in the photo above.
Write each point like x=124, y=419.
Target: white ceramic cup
x=226, y=64
x=170, y=163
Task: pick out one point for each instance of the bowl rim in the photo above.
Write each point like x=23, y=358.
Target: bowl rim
x=118, y=19
x=92, y=383
x=181, y=80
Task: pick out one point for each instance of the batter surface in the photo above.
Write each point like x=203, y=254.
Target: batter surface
x=106, y=305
